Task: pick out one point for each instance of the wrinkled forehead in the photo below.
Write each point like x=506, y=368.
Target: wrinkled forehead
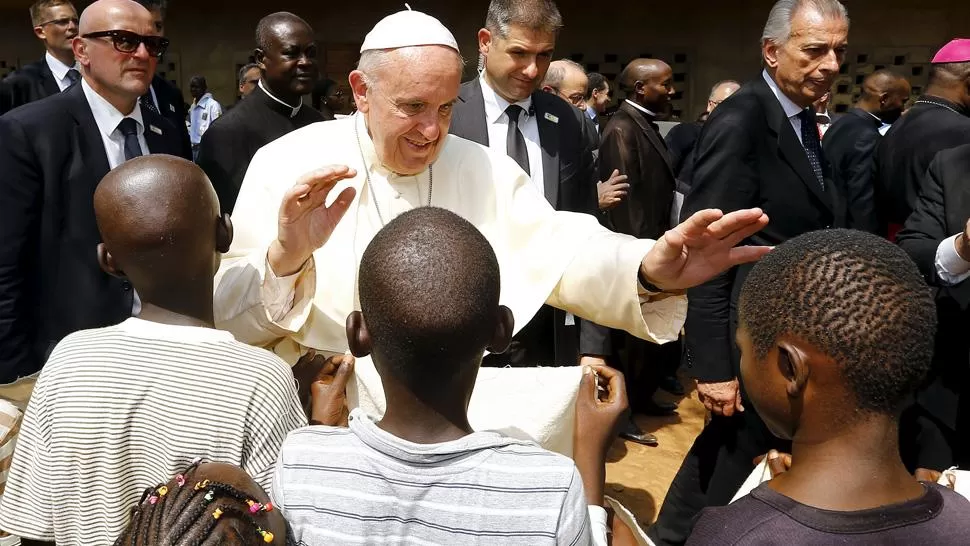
x=428, y=73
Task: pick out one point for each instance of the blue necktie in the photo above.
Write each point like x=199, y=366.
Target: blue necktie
x=812, y=144
x=129, y=128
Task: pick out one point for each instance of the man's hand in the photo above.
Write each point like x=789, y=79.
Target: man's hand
x=962, y=243
x=721, y=398
x=612, y=190
x=329, y=392
x=305, y=221
x=778, y=462
x=702, y=247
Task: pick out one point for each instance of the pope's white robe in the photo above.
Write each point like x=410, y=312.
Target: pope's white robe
x=564, y=259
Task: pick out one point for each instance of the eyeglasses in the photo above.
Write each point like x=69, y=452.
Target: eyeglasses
x=62, y=22
x=128, y=42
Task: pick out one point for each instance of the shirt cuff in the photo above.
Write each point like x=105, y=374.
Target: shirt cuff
x=950, y=267
x=599, y=525
x=279, y=293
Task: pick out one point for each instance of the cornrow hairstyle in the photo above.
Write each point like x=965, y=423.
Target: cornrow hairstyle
x=185, y=512
x=858, y=299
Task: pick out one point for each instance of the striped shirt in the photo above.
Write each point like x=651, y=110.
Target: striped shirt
x=362, y=484
x=119, y=409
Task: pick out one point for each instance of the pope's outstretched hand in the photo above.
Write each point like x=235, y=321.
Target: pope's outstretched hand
x=305, y=221
x=702, y=247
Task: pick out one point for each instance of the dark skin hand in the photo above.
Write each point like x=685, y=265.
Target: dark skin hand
x=598, y=415
x=329, y=392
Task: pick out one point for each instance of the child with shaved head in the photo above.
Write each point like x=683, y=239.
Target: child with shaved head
x=429, y=300
x=118, y=409
x=836, y=332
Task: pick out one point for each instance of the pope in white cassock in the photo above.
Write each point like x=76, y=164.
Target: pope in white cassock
x=312, y=201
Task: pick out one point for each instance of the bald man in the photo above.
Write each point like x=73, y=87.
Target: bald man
x=850, y=144
x=632, y=144
x=54, y=153
x=682, y=138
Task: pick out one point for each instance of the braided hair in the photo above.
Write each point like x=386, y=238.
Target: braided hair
x=185, y=512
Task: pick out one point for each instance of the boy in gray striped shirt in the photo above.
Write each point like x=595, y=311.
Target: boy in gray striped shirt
x=119, y=409
x=429, y=297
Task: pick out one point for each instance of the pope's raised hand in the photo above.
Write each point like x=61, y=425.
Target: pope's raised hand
x=703, y=246
x=305, y=221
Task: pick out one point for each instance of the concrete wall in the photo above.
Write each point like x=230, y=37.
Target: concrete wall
x=712, y=40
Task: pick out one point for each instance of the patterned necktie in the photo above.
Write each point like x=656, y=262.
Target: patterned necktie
x=812, y=144
x=73, y=76
x=514, y=141
x=129, y=128
x=147, y=102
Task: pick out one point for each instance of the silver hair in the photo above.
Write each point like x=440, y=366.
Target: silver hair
x=373, y=61
x=719, y=84
x=557, y=72
x=778, y=28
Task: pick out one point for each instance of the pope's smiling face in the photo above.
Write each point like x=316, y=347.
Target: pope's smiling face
x=407, y=96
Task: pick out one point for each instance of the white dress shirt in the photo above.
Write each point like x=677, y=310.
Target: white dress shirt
x=791, y=109
x=59, y=70
x=107, y=117
x=641, y=108
x=950, y=267
x=498, y=129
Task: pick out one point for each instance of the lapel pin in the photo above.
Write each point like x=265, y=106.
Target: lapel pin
x=155, y=130
x=551, y=117
x=171, y=107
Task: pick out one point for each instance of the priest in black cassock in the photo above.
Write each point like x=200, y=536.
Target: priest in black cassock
x=939, y=120
x=287, y=56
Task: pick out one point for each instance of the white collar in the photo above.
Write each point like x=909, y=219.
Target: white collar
x=791, y=109
x=495, y=105
x=640, y=108
x=294, y=109
x=591, y=113
x=205, y=98
x=106, y=116
x=58, y=69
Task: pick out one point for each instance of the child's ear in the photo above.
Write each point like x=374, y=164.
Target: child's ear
x=107, y=262
x=502, y=337
x=793, y=362
x=223, y=233
x=358, y=338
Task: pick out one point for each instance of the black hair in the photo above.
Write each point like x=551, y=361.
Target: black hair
x=596, y=82
x=183, y=512
x=858, y=299
x=429, y=292
x=246, y=68
x=265, y=28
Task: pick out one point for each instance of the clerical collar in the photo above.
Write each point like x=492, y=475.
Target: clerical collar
x=294, y=110
x=641, y=108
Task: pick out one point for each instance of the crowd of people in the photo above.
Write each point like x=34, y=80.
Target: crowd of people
x=189, y=294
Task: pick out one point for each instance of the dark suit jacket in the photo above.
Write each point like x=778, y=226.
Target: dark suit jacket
x=32, y=82
x=748, y=156
x=51, y=160
x=905, y=153
x=681, y=141
x=850, y=147
x=941, y=211
x=568, y=177
x=172, y=107
x=632, y=144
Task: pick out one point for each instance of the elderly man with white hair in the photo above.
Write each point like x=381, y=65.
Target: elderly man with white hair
x=761, y=149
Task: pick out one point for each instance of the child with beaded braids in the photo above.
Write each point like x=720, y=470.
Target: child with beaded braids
x=211, y=503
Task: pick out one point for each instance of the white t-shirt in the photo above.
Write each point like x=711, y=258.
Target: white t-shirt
x=122, y=408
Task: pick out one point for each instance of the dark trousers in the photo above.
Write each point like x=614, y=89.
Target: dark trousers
x=644, y=364
x=715, y=467
x=534, y=345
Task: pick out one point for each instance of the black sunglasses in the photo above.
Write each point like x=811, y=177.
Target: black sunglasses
x=127, y=42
